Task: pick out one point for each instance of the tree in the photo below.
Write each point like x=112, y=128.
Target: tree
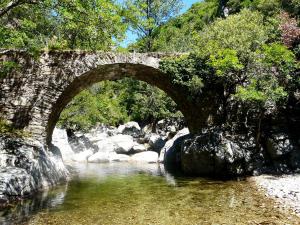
x=145, y=17
x=64, y=24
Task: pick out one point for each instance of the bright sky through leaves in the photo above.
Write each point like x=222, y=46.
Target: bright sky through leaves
x=131, y=37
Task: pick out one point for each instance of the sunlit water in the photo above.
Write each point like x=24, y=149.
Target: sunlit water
x=145, y=194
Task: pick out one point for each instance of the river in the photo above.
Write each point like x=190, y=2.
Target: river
x=124, y=193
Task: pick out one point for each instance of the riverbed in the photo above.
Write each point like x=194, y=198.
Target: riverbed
x=126, y=193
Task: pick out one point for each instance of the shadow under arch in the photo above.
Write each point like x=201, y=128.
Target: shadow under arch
x=112, y=72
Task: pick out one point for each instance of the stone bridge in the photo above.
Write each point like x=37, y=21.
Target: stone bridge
x=34, y=93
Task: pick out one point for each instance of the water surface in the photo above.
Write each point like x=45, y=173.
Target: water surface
x=108, y=194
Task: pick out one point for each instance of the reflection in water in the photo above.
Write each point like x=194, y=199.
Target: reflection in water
x=123, y=193
x=24, y=210
x=18, y=214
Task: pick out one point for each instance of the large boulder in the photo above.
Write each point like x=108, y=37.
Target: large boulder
x=212, y=153
x=131, y=128
x=123, y=143
x=26, y=167
x=147, y=157
x=171, y=151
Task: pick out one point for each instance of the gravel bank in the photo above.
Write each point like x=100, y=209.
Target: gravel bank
x=284, y=189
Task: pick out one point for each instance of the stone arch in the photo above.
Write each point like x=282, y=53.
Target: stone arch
x=148, y=74
x=33, y=95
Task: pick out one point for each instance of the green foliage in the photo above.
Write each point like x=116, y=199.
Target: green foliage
x=99, y=104
x=65, y=24
x=266, y=7
x=7, y=67
x=263, y=90
x=177, y=34
x=146, y=103
x=116, y=102
x=7, y=129
x=244, y=33
x=240, y=53
x=225, y=61
x=280, y=56
x=146, y=16
x=184, y=70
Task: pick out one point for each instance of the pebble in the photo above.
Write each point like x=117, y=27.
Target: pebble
x=285, y=189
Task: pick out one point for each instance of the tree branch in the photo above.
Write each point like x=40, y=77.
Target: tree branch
x=15, y=3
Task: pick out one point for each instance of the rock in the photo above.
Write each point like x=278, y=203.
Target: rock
x=123, y=143
x=278, y=145
x=119, y=158
x=148, y=157
x=147, y=129
x=156, y=142
x=99, y=157
x=213, y=154
x=82, y=156
x=26, y=167
x=138, y=148
x=60, y=140
x=96, y=136
x=79, y=142
x=143, y=140
x=107, y=146
x=170, y=125
x=171, y=129
x=131, y=128
x=104, y=129
x=171, y=151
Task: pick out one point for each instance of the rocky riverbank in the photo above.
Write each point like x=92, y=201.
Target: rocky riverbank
x=27, y=166
x=285, y=189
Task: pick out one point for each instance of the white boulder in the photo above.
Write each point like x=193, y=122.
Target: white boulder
x=147, y=157
x=123, y=143
x=106, y=145
x=138, y=148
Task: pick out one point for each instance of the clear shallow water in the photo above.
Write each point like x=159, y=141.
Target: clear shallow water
x=124, y=194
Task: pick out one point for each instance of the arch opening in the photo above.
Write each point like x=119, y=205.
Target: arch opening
x=113, y=72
